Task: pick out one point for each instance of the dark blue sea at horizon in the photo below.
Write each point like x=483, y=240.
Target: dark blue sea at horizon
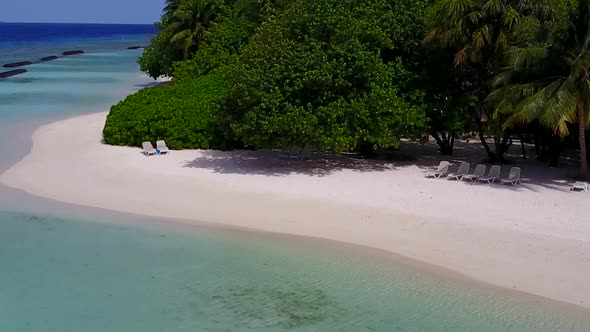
x=32, y=41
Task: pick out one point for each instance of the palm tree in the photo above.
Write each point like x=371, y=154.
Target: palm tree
x=170, y=6
x=189, y=21
x=550, y=82
x=480, y=31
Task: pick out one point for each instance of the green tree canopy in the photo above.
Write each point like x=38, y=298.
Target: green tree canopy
x=181, y=114
x=313, y=77
x=186, y=24
x=479, y=32
x=219, y=49
x=549, y=80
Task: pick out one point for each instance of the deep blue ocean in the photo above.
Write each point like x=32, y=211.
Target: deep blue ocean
x=27, y=32
x=32, y=41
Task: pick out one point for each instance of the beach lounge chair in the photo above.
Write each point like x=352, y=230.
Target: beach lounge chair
x=582, y=186
x=161, y=147
x=463, y=170
x=480, y=170
x=148, y=149
x=493, y=175
x=513, y=177
x=441, y=171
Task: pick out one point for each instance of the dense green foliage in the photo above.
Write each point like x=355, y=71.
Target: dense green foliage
x=353, y=75
x=218, y=50
x=518, y=57
x=550, y=82
x=180, y=114
x=187, y=24
x=478, y=32
x=313, y=78
x=159, y=57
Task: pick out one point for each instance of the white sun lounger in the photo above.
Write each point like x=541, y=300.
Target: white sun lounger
x=480, y=170
x=441, y=171
x=513, y=177
x=582, y=186
x=463, y=170
x=493, y=175
x=148, y=149
x=161, y=147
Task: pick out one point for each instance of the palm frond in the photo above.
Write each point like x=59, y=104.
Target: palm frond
x=511, y=18
x=181, y=35
x=586, y=100
x=501, y=40
x=580, y=66
x=530, y=109
x=525, y=58
x=493, y=7
x=560, y=108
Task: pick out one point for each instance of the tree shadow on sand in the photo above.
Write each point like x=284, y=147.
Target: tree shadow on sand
x=275, y=163
x=534, y=177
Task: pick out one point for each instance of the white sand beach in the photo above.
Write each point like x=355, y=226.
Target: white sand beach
x=533, y=238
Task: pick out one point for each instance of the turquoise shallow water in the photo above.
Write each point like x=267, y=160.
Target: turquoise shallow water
x=61, y=275
x=72, y=85
x=65, y=87
x=65, y=268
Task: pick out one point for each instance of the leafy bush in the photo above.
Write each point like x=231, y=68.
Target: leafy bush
x=217, y=50
x=181, y=114
x=313, y=77
x=159, y=56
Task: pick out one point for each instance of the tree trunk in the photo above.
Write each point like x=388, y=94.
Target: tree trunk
x=522, y=147
x=489, y=151
x=554, y=150
x=583, y=154
x=445, y=144
x=501, y=144
x=537, y=139
x=506, y=143
x=498, y=149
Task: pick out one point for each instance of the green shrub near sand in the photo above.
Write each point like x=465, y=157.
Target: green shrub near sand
x=181, y=114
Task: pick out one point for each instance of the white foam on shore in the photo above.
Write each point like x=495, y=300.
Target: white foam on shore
x=534, y=239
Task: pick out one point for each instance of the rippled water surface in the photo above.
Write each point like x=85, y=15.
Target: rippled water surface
x=108, y=272
x=62, y=275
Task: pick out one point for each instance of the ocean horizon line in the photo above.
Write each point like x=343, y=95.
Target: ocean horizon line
x=75, y=23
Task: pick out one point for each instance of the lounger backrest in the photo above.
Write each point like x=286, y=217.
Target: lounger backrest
x=443, y=166
x=464, y=168
x=495, y=171
x=147, y=146
x=161, y=144
x=514, y=173
x=480, y=170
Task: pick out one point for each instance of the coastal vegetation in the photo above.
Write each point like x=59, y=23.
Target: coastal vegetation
x=359, y=75
x=180, y=113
